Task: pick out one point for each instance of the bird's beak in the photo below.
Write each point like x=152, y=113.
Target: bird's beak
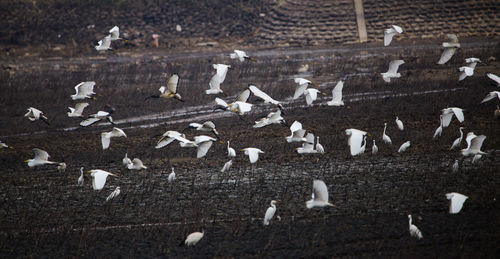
x=222, y=142
x=11, y=147
x=89, y=171
x=26, y=161
x=252, y=59
x=323, y=93
x=93, y=98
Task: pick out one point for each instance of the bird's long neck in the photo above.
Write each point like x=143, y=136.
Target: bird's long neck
x=385, y=127
x=409, y=220
x=461, y=134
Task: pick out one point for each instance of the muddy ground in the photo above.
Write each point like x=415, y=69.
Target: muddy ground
x=45, y=213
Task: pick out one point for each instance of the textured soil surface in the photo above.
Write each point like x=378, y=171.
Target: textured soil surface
x=45, y=213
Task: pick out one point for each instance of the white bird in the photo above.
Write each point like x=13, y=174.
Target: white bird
x=193, y=238
x=356, y=137
x=252, y=153
x=457, y=141
x=83, y=90
x=385, y=138
x=240, y=106
x=115, y=193
x=100, y=115
x=297, y=133
x=496, y=113
x=61, y=167
x=206, y=126
x=203, y=144
x=3, y=145
x=226, y=166
x=241, y=55
x=303, y=68
x=456, y=201
x=34, y=114
x=414, y=231
x=99, y=178
x=267, y=99
x=439, y=130
x=319, y=148
x=404, y=146
x=81, y=179
x=474, y=144
x=126, y=160
x=230, y=151
x=170, y=91
x=106, y=136
x=374, y=148
x=41, y=158
x=449, y=48
x=171, y=176
x=400, y=124
x=476, y=158
x=319, y=195
x=455, y=166
x=169, y=137
x=270, y=213
x=115, y=33
x=393, y=70
x=389, y=33
x=337, y=95
x=494, y=78
x=468, y=70
x=217, y=79
x=78, y=110
x=363, y=147
x=104, y=44
x=308, y=145
x=448, y=115
x=136, y=164
x=271, y=118
x=491, y=96
x=311, y=94
x=300, y=87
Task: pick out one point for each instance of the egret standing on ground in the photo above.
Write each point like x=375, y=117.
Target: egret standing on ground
x=374, y=148
x=81, y=179
x=319, y=195
x=385, y=138
x=439, y=130
x=270, y=213
x=414, y=231
x=400, y=124
x=457, y=141
x=319, y=148
x=230, y=151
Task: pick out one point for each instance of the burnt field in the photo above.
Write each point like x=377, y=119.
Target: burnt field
x=45, y=213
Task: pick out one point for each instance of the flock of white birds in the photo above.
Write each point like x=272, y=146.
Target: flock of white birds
x=310, y=145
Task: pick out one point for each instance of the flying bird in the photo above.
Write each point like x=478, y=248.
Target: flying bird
x=337, y=95
x=226, y=166
x=100, y=115
x=448, y=115
x=319, y=195
x=491, y=96
x=126, y=161
x=115, y=193
x=252, y=153
x=474, y=144
x=270, y=213
x=203, y=144
x=104, y=44
x=217, y=79
x=207, y=126
x=414, y=231
x=136, y=164
x=106, y=136
x=271, y=118
x=393, y=70
x=41, y=158
x=457, y=141
x=241, y=55
x=308, y=145
x=267, y=99
x=193, y=238
x=115, y=33
x=170, y=91
x=494, y=78
x=389, y=33
x=311, y=94
x=356, y=137
x=404, y=146
x=34, y=114
x=301, y=86
x=78, y=110
x=240, y=106
x=449, y=48
x=83, y=90
x=455, y=166
x=297, y=133
x=468, y=70
x=456, y=201
x=99, y=178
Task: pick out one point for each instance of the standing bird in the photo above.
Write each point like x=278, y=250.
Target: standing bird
x=404, y=146
x=104, y=44
x=193, y=238
x=496, y=113
x=252, y=153
x=393, y=70
x=400, y=124
x=61, y=167
x=3, y=145
x=34, y=114
x=78, y=110
x=217, y=79
x=136, y=164
x=319, y=196
x=297, y=133
x=171, y=176
x=457, y=141
x=126, y=161
x=206, y=126
x=385, y=138
x=389, y=33
x=99, y=178
x=468, y=70
x=171, y=90
x=106, y=136
x=270, y=213
x=448, y=115
x=491, y=96
x=226, y=166
x=414, y=231
x=41, y=158
x=81, y=179
x=456, y=201
x=439, y=130
x=83, y=90
x=241, y=55
x=474, y=144
x=319, y=148
x=449, y=48
x=337, y=95
x=374, y=148
x=455, y=166
x=115, y=193
x=114, y=33
x=230, y=151
x=356, y=137
x=494, y=78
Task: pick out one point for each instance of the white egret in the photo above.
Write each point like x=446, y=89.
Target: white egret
x=414, y=231
x=400, y=124
x=363, y=147
x=136, y=165
x=217, y=79
x=81, y=179
x=474, y=144
x=106, y=136
x=167, y=138
x=457, y=141
x=115, y=33
x=226, y=166
x=83, y=90
x=374, y=148
x=203, y=144
x=271, y=118
x=297, y=133
x=404, y=146
x=267, y=99
x=308, y=145
x=393, y=70
x=449, y=48
x=456, y=201
x=78, y=110
x=104, y=44
x=34, y=114
x=455, y=166
x=496, y=113
x=100, y=115
x=252, y=153
x=448, y=115
x=206, y=126
x=385, y=138
x=3, y=145
x=270, y=213
x=311, y=94
x=356, y=137
x=301, y=86
x=468, y=70
x=126, y=160
x=389, y=33
x=491, y=96
x=171, y=90
x=61, y=167
x=193, y=238
x=115, y=193
x=171, y=176
x=241, y=55
x=319, y=195
x=494, y=78
x=230, y=151
x=99, y=178
x=240, y=106
x=439, y=130
x=337, y=95
x=41, y=158
x=319, y=148
x=476, y=158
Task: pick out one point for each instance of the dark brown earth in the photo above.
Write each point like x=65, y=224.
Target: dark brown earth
x=44, y=213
